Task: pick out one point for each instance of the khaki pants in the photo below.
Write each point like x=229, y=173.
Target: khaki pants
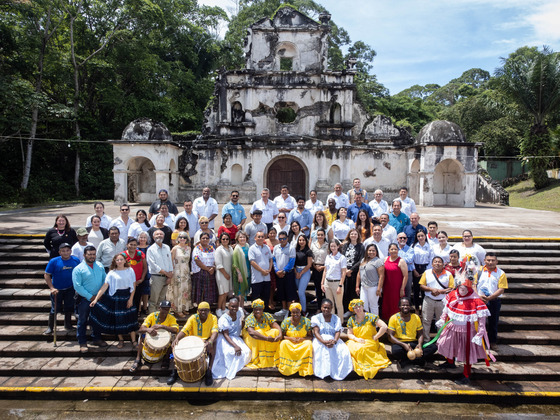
x=430, y=308
x=331, y=288
x=158, y=291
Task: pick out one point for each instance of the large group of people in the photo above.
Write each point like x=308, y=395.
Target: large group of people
x=377, y=272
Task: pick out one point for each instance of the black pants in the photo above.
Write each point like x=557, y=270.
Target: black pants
x=349, y=290
x=400, y=354
x=417, y=294
x=317, y=277
x=260, y=291
x=286, y=289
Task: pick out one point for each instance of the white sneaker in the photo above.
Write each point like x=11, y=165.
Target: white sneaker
x=281, y=312
x=219, y=313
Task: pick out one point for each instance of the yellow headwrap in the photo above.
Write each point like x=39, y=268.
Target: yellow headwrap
x=203, y=305
x=353, y=303
x=295, y=305
x=258, y=303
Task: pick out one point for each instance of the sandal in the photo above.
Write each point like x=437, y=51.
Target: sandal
x=135, y=345
x=137, y=363
x=120, y=345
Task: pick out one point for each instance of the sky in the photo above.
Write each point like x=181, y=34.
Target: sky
x=435, y=41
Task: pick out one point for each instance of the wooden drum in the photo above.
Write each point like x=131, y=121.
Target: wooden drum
x=155, y=347
x=190, y=359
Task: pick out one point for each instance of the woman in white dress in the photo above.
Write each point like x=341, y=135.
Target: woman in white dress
x=223, y=258
x=331, y=356
x=232, y=354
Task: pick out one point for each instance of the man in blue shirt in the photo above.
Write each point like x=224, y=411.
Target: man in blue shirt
x=414, y=227
x=58, y=276
x=302, y=216
x=398, y=219
x=358, y=205
x=284, y=259
x=236, y=210
x=87, y=277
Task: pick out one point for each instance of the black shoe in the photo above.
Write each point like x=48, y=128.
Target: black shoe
x=165, y=364
x=68, y=322
x=463, y=381
x=446, y=365
x=208, y=380
x=173, y=377
x=49, y=329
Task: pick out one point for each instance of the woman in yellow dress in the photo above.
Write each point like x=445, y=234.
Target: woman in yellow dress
x=296, y=349
x=368, y=355
x=262, y=335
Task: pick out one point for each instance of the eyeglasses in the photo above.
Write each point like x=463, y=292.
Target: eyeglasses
x=281, y=217
x=282, y=239
x=125, y=209
x=203, y=223
x=467, y=236
x=402, y=237
x=234, y=196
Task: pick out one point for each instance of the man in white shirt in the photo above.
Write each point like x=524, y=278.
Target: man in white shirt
x=268, y=208
x=313, y=205
x=339, y=197
x=378, y=205
x=285, y=202
x=206, y=206
x=110, y=247
x=191, y=216
x=408, y=204
x=169, y=218
x=378, y=239
x=160, y=266
x=389, y=231
x=432, y=236
x=260, y=259
x=123, y=222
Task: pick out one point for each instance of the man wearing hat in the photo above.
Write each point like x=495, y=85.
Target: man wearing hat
x=58, y=276
x=78, y=248
x=160, y=320
x=163, y=196
x=204, y=325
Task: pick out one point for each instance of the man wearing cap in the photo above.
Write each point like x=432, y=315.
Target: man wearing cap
x=58, y=276
x=163, y=199
x=87, y=278
x=160, y=320
x=78, y=248
x=204, y=325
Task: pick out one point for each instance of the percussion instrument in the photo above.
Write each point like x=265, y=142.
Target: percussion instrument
x=155, y=347
x=418, y=353
x=190, y=359
x=411, y=355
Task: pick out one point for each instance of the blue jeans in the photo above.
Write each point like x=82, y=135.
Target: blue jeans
x=64, y=301
x=494, y=307
x=82, y=308
x=302, y=286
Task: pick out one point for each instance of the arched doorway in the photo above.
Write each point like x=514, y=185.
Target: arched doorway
x=448, y=183
x=141, y=180
x=286, y=171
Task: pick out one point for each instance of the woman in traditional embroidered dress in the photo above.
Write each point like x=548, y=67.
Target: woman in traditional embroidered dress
x=331, y=356
x=179, y=291
x=224, y=261
x=204, y=271
x=241, y=268
x=232, y=354
x=262, y=335
x=114, y=312
x=364, y=331
x=464, y=337
x=393, y=286
x=137, y=261
x=296, y=350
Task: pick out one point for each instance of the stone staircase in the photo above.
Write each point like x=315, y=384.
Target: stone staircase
x=527, y=367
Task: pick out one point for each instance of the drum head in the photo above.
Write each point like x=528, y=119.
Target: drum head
x=189, y=348
x=160, y=340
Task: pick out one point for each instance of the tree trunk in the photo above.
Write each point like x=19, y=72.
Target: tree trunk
x=538, y=146
x=77, y=174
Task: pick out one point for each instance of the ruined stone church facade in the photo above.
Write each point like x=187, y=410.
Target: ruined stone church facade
x=287, y=119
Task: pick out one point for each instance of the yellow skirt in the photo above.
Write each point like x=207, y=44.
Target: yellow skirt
x=368, y=358
x=296, y=358
x=263, y=353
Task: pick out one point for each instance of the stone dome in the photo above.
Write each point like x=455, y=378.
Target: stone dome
x=441, y=131
x=146, y=129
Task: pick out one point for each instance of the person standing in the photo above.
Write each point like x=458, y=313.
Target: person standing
x=357, y=188
x=95, y=232
x=123, y=223
x=378, y=205
x=179, y=291
x=268, y=209
x=353, y=249
x=87, y=279
x=396, y=276
x=285, y=202
x=206, y=206
x=137, y=261
x=301, y=215
x=283, y=259
x=110, y=247
x=169, y=217
x=492, y=282
x=224, y=262
x=313, y=204
x=78, y=248
x=236, y=210
x=389, y=231
x=261, y=266
x=408, y=204
x=163, y=198
x=340, y=198
x=357, y=206
x=160, y=266
x=413, y=228
x=99, y=208
x=331, y=212
x=191, y=216
x=255, y=226
x=334, y=276
x=60, y=233
x=371, y=276
x=397, y=218
x=58, y=276
x=378, y=240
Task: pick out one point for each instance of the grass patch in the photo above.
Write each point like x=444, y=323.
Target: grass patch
x=524, y=195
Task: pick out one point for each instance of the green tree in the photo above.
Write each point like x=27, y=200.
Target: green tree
x=531, y=79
